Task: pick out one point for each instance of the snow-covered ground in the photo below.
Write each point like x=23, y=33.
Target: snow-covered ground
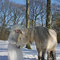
x=27, y=54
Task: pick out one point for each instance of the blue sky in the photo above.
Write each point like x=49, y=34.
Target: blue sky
x=24, y=1
x=19, y=1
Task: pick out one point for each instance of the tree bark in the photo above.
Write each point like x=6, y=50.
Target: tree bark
x=27, y=13
x=48, y=16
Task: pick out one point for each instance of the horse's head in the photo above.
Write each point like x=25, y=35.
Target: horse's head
x=13, y=36
x=23, y=38
x=18, y=35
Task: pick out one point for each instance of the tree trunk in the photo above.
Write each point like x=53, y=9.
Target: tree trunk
x=14, y=21
x=48, y=16
x=35, y=21
x=27, y=20
x=32, y=23
x=27, y=13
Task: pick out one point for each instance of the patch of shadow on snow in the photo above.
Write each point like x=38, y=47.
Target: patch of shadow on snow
x=3, y=57
x=30, y=59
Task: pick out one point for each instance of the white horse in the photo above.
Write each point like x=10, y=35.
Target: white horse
x=14, y=52
x=45, y=40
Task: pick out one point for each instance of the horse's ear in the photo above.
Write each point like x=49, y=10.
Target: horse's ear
x=26, y=30
x=20, y=31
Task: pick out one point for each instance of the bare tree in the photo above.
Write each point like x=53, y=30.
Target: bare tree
x=18, y=13
x=48, y=16
x=37, y=11
x=27, y=20
x=27, y=13
x=10, y=14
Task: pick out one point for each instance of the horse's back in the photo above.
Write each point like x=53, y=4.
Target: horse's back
x=41, y=33
x=45, y=38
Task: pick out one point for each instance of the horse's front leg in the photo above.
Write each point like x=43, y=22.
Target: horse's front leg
x=43, y=54
x=39, y=54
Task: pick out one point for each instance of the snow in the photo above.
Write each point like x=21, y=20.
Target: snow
x=27, y=53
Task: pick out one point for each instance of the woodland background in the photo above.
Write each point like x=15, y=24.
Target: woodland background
x=29, y=15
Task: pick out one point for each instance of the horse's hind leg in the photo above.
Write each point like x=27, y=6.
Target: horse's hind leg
x=53, y=55
x=48, y=55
